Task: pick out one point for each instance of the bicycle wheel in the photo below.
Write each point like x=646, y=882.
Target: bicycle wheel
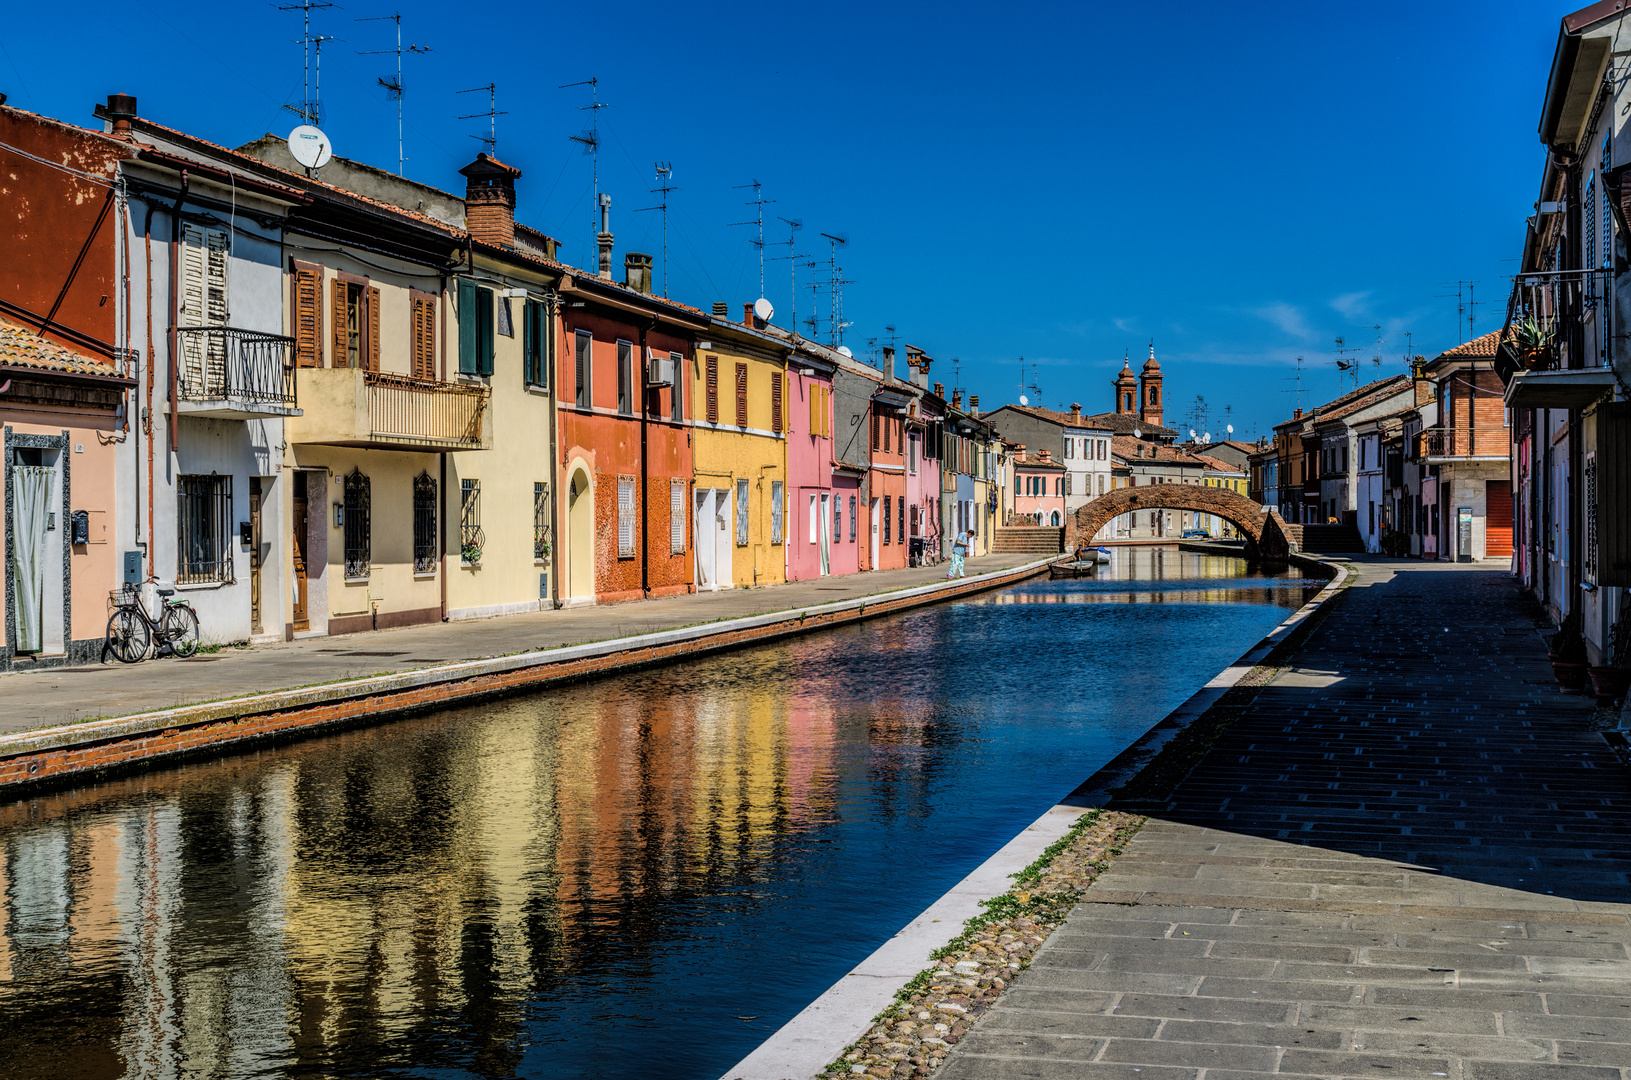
x=180, y=629
x=128, y=636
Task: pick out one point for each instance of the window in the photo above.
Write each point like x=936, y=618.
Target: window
x=852, y=526
x=911, y=454
x=776, y=511
x=540, y=521
x=424, y=335
x=676, y=393
x=900, y=511
x=815, y=522
x=1101, y=483
x=583, y=375
x=712, y=390
x=887, y=516
x=741, y=513
x=424, y=523
x=471, y=538
x=475, y=329
x=1070, y=448
x=838, y=518
x=506, y=320
x=308, y=314
x=204, y=303
x=676, y=514
x=911, y=520
x=625, y=378
x=1067, y=483
x=534, y=339
x=204, y=518
x=741, y=395
x=776, y=402
x=625, y=517
x=358, y=532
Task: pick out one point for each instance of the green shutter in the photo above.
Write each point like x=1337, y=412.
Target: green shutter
x=484, y=329
x=528, y=374
x=469, y=319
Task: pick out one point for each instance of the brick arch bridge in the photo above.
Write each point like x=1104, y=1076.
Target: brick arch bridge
x=1265, y=532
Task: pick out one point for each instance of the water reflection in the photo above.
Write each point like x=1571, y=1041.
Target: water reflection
x=587, y=880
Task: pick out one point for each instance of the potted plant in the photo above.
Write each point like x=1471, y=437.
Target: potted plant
x=1533, y=341
x=1568, y=654
x=471, y=554
x=540, y=550
x=1610, y=681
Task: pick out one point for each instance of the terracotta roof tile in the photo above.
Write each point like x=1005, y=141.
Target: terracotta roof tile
x=20, y=347
x=1483, y=345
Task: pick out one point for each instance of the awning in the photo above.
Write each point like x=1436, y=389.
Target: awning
x=1568, y=389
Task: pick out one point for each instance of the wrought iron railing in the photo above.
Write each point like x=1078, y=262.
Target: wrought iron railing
x=1465, y=442
x=1565, y=304
x=224, y=363
x=425, y=410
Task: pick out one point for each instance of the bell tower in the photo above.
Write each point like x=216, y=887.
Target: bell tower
x=1149, y=390
x=1126, y=385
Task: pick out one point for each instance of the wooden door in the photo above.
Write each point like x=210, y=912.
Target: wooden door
x=297, y=531
x=255, y=553
x=1498, y=519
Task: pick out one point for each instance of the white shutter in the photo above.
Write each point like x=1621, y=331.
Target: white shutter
x=813, y=536
x=742, y=512
x=203, y=303
x=676, y=516
x=625, y=518
x=775, y=511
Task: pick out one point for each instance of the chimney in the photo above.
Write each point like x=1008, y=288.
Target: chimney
x=722, y=310
x=121, y=110
x=957, y=399
x=637, y=272
x=889, y=360
x=552, y=249
x=1019, y=453
x=1045, y=456
x=489, y=201
x=747, y=314
x=974, y=405
x=940, y=391
x=1297, y=414
x=603, y=239
x=1076, y=412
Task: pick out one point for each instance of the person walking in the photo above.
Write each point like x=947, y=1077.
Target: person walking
x=959, y=548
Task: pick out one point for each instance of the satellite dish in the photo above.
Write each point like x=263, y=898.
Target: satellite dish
x=843, y=350
x=762, y=309
x=1191, y=433
x=1023, y=400
x=1137, y=434
x=310, y=147
x=1230, y=428
x=1207, y=437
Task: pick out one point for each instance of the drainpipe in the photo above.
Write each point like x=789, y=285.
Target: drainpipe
x=175, y=308
x=147, y=410
x=645, y=470
x=552, y=313
x=441, y=528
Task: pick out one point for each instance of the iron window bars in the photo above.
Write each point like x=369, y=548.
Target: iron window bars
x=204, y=544
x=424, y=523
x=471, y=538
x=540, y=521
x=358, y=508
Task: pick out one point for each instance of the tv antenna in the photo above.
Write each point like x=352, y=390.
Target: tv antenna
x=1347, y=361
x=395, y=86
x=814, y=321
x=1465, y=305
x=665, y=173
x=492, y=114
x=836, y=285
x=310, y=109
x=591, y=145
x=1031, y=386
x=758, y=202
x=793, y=227
x=1298, y=380
x=1197, y=414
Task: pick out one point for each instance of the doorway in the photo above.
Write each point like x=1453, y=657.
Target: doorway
x=299, y=541
x=826, y=535
x=1497, y=519
x=255, y=554
x=37, y=526
x=873, y=508
x=580, y=538
x=713, y=520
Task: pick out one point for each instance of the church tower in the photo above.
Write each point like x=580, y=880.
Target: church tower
x=1126, y=389
x=1149, y=391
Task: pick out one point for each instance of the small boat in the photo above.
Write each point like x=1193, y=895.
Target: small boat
x=1073, y=568
x=1103, y=554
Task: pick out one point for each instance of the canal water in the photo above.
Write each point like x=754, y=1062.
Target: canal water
x=642, y=875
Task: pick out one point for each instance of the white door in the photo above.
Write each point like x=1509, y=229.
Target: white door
x=722, y=537
x=826, y=535
x=874, y=508
x=705, y=540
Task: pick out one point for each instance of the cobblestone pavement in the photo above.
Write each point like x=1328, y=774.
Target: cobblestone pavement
x=35, y=699
x=1408, y=858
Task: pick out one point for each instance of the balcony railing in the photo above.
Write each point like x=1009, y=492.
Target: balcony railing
x=246, y=368
x=1572, y=307
x=1451, y=442
x=410, y=410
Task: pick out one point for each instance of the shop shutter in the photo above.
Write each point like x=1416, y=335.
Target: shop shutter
x=1498, y=519
x=1614, y=494
x=308, y=315
x=676, y=516
x=776, y=402
x=625, y=518
x=741, y=395
x=372, y=360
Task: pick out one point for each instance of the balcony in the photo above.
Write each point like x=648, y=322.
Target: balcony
x=1572, y=308
x=385, y=411
x=1450, y=443
x=235, y=374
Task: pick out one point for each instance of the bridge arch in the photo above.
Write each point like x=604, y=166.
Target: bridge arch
x=1264, y=530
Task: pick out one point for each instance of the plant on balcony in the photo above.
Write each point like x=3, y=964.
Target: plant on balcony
x=1533, y=341
x=471, y=554
x=541, y=549
x=1610, y=681
x=1568, y=654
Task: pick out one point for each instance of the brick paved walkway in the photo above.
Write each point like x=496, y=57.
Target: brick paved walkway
x=1409, y=858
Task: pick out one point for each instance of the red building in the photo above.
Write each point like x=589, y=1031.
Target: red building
x=886, y=479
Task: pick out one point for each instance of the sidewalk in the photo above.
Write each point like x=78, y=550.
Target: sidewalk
x=1408, y=858
x=67, y=695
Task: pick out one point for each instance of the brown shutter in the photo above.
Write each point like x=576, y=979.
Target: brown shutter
x=338, y=357
x=1614, y=494
x=308, y=316
x=874, y=432
x=371, y=362
x=776, y=402
x=713, y=389
x=424, y=337
x=741, y=395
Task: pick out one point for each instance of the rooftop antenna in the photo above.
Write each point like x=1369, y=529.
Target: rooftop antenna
x=1345, y=365
x=814, y=321
x=1298, y=379
x=1031, y=386
x=665, y=173
x=758, y=202
x=591, y=146
x=492, y=114
x=793, y=227
x=394, y=86
x=1463, y=304
x=837, y=283
x=310, y=109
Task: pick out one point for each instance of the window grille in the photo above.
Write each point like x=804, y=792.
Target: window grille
x=852, y=523
x=424, y=523
x=912, y=521
x=776, y=511
x=625, y=517
x=888, y=506
x=540, y=521
x=205, y=520
x=900, y=519
x=741, y=513
x=471, y=538
x=1590, y=500
x=358, y=502
x=625, y=378
x=838, y=518
x=584, y=373
x=676, y=511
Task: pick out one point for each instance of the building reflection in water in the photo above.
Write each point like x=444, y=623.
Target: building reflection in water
x=551, y=884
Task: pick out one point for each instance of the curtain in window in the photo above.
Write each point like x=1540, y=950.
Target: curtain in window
x=31, y=502
x=775, y=511
x=742, y=512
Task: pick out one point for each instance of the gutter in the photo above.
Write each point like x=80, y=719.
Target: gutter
x=175, y=307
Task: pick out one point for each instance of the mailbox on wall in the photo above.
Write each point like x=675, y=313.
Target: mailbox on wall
x=79, y=527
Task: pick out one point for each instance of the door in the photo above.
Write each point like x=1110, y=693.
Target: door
x=705, y=540
x=873, y=506
x=255, y=553
x=297, y=530
x=826, y=535
x=31, y=507
x=722, y=538
x=1498, y=519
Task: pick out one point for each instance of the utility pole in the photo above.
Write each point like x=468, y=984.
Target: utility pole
x=665, y=173
x=758, y=202
x=492, y=114
x=590, y=141
x=395, y=86
x=311, y=109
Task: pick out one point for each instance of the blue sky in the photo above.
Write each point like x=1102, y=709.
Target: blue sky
x=1242, y=185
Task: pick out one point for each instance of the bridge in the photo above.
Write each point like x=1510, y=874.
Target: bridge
x=1267, y=536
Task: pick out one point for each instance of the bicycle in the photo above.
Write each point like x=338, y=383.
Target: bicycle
x=132, y=632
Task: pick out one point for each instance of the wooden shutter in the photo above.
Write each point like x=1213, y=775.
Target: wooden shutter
x=713, y=389
x=874, y=432
x=741, y=395
x=338, y=311
x=1614, y=494
x=485, y=340
x=625, y=518
x=583, y=375
x=776, y=402
x=676, y=516
x=424, y=337
x=815, y=410
x=371, y=361
x=469, y=340
x=308, y=315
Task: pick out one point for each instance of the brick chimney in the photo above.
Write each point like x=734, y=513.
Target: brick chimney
x=957, y=399
x=940, y=391
x=722, y=310
x=603, y=238
x=1045, y=456
x=121, y=111
x=747, y=313
x=889, y=360
x=1076, y=412
x=489, y=200
x=637, y=272
x=1297, y=414
x=1019, y=453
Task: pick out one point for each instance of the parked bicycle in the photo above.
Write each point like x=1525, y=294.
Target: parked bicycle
x=132, y=631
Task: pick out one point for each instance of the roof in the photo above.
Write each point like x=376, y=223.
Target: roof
x=1124, y=423
x=1052, y=416
x=1215, y=465
x=1347, y=403
x=21, y=347
x=1478, y=347
x=1038, y=463
x=1127, y=448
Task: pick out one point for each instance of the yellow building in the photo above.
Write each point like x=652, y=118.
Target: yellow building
x=739, y=381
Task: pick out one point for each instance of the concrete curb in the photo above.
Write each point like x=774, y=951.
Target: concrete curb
x=78, y=751
x=808, y=1042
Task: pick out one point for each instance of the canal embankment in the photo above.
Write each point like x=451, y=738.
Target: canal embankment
x=76, y=725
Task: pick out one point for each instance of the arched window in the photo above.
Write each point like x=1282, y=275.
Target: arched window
x=358, y=502
x=424, y=523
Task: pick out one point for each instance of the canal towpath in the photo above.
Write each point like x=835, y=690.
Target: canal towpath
x=1408, y=855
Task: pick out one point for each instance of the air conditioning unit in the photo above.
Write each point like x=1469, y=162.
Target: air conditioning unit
x=660, y=371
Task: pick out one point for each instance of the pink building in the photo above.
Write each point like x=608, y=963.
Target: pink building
x=923, y=476
x=816, y=542
x=1039, y=489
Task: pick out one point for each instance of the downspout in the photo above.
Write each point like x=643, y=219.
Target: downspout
x=441, y=528
x=552, y=312
x=147, y=410
x=175, y=309
x=645, y=471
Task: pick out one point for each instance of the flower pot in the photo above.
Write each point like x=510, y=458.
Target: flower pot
x=1571, y=677
x=1535, y=359
x=1609, y=683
